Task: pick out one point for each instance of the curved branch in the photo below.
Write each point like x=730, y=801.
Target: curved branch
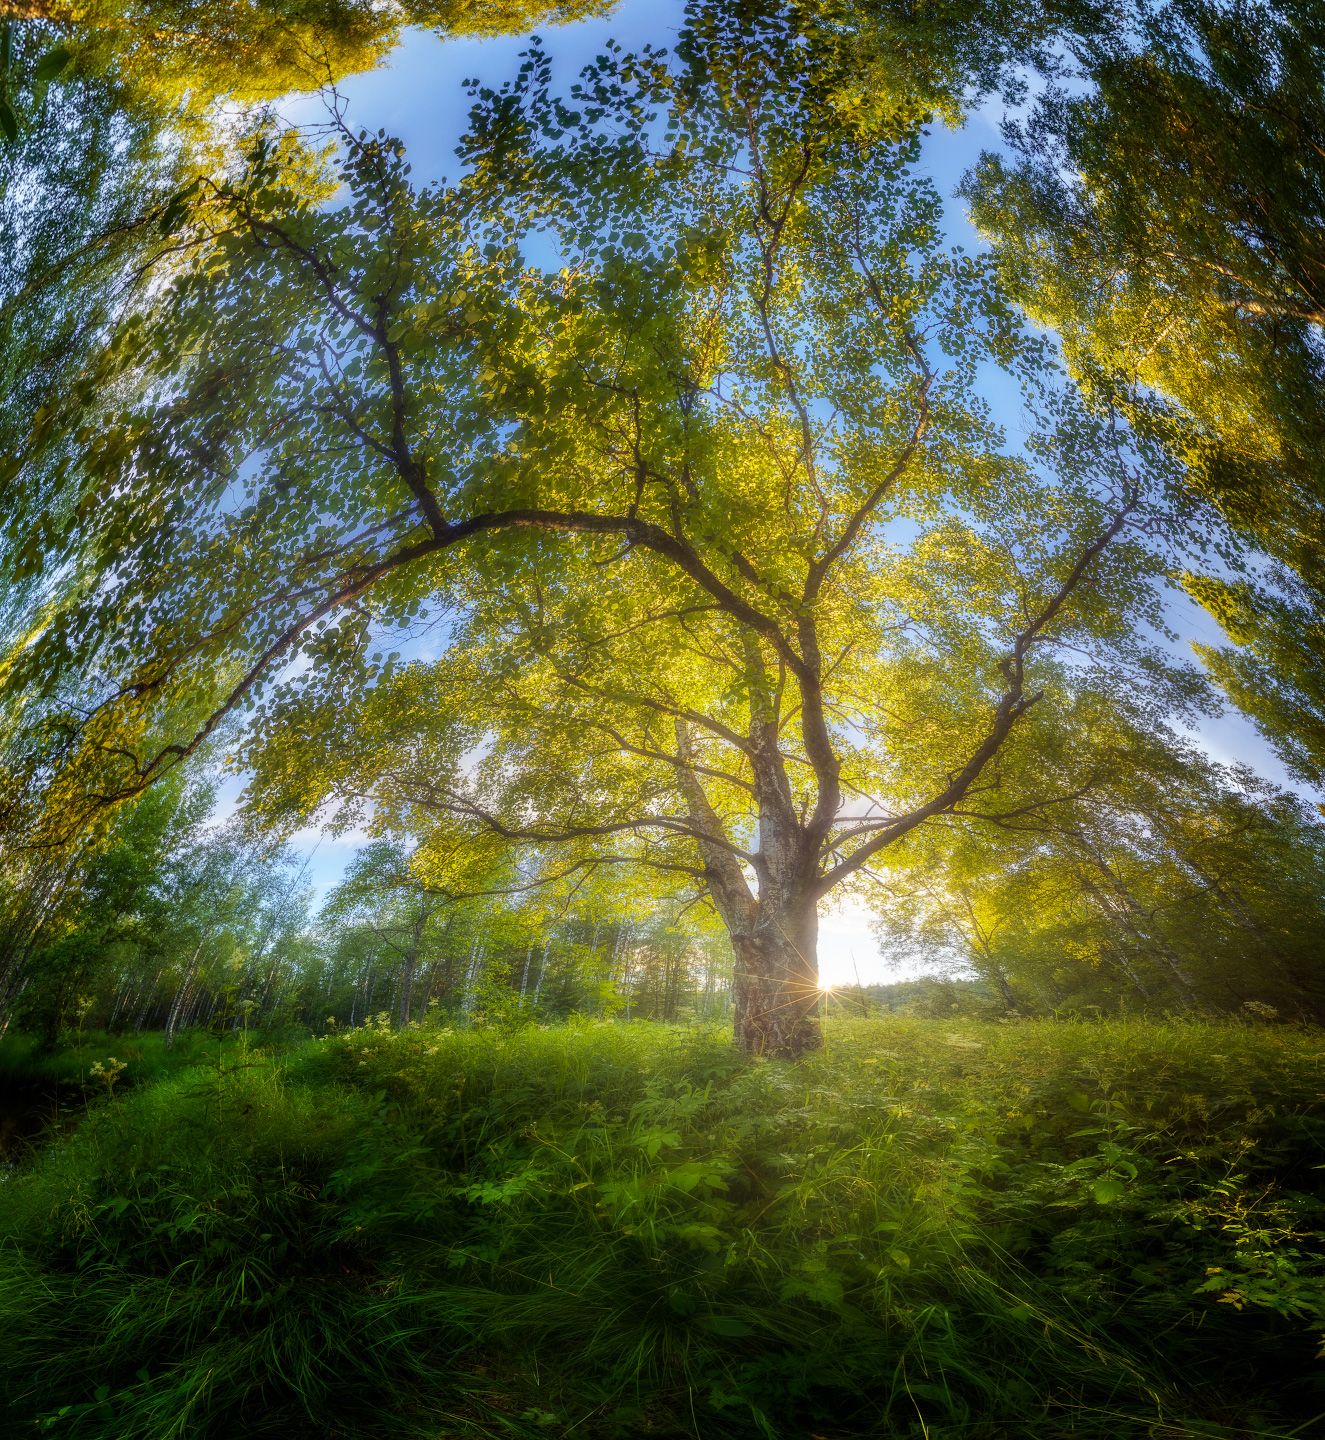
x=453, y=804
x=1011, y=707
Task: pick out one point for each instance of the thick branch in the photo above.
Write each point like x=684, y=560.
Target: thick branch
x=1011, y=707
x=587, y=862
x=451, y=803
x=722, y=870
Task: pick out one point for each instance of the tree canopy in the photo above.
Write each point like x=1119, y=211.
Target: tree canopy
x=1165, y=218
x=666, y=493
x=193, y=52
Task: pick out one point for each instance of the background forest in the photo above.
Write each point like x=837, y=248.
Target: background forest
x=483, y=596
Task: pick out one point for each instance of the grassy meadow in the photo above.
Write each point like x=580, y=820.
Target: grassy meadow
x=933, y=1228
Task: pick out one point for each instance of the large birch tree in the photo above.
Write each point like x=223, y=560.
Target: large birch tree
x=665, y=422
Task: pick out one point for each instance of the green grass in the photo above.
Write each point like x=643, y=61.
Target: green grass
x=146, y=1058
x=938, y=1229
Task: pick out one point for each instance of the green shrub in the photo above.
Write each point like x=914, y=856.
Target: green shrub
x=178, y=1269
x=933, y=1228
x=147, y=1057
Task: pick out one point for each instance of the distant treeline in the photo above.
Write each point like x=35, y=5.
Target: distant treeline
x=171, y=922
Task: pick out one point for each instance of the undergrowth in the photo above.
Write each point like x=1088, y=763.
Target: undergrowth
x=930, y=1229
x=145, y=1058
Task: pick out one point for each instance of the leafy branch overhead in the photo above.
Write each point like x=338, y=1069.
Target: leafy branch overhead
x=669, y=431
x=1166, y=219
x=189, y=54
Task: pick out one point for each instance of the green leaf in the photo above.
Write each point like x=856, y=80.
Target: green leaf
x=1106, y=1192
x=52, y=63
x=8, y=121
x=176, y=207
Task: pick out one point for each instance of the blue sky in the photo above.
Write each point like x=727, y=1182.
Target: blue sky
x=419, y=96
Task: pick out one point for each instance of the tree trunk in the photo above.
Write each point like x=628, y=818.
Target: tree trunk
x=144, y=1003
x=469, y=997
x=407, y=964
x=1000, y=979
x=774, y=927
x=542, y=971
x=123, y=995
x=174, y=1018
x=710, y=985
x=775, y=987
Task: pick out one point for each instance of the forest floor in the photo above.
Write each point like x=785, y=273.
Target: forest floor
x=933, y=1228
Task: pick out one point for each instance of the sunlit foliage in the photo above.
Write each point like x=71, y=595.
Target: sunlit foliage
x=1165, y=215
x=713, y=484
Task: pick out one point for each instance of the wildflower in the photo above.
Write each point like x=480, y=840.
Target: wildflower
x=108, y=1073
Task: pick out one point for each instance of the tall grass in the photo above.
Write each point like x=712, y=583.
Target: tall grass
x=147, y=1057
x=932, y=1229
